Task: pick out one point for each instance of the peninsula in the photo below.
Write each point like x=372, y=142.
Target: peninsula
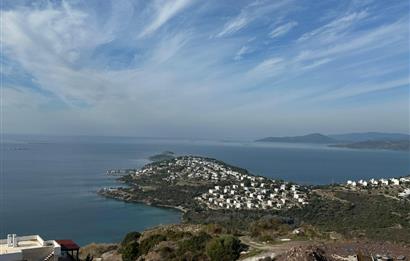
x=254, y=215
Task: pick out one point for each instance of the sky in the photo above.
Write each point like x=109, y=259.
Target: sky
x=190, y=68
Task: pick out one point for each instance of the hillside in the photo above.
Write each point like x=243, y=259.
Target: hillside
x=228, y=213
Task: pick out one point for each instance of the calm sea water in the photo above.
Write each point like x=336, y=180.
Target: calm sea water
x=48, y=184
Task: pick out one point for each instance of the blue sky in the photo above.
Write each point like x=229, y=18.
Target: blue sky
x=190, y=68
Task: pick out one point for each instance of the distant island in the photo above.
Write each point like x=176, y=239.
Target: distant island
x=401, y=145
x=366, y=140
x=166, y=155
x=309, y=138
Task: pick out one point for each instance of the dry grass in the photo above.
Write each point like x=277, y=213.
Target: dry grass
x=96, y=250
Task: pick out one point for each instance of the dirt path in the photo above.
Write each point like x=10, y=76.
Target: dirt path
x=271, y=250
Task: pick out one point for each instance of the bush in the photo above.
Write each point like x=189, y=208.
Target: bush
x=267, y=229
x=150, y=242
x=196, y=244
x=130, y=252
x=176, y=235
x=129, y=247
x=130, y=237
x=224, y=248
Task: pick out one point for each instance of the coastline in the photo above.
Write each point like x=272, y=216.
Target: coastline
x=143, y=202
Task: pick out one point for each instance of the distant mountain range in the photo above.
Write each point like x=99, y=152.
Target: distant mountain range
x=377, y=144
x=366, y=136
x=309, y=138
x=364, y=140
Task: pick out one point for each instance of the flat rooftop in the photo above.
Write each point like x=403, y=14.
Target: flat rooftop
x=23, y=244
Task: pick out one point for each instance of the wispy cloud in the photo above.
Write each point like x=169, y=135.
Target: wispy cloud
x=164, y=11
x=136, y=68
x=282, y=29
x=235, y=24
x=241, y=52
x=336, y=27
x=250, y=13
x=355, y=90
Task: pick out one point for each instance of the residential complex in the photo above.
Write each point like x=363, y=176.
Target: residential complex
x=232, y=188
x=401, y=186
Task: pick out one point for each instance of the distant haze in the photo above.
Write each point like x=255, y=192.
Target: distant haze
x=215, y=69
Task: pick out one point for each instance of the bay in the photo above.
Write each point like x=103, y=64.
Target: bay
x=48, y=184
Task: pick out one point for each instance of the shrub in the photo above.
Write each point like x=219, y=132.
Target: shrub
x=150, y=242
x=129, y=247
x=196, y=244
x=130, y=252
x=130, y=237
x=224, y=248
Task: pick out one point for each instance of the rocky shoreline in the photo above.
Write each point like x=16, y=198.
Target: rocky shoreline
x=128, y=199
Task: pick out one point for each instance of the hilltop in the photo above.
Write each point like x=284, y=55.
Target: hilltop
x=192, y=182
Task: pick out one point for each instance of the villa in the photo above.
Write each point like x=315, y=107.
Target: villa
x=34, y=248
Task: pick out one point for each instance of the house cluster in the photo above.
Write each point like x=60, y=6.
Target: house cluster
x=233, y=188
x=399, y=184
x=254, y=193
x=190, y=167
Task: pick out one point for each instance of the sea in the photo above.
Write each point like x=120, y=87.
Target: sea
x=48, y=184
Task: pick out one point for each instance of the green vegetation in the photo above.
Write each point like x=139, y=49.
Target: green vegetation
x=193, y=247
x=150, y=242
x=129, y=247
x=348, y=213
x=232, y=221
x=224, y=248
x=332, y=212
x=181, y=242
x=130, y=252
x=130, y=237
x=358, y=214
x=269, y=229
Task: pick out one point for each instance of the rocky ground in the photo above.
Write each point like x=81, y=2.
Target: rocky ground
x=306, y=250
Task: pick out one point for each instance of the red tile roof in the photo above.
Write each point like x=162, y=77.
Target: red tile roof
x=68, y=244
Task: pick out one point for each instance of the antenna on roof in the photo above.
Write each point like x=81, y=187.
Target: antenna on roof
x=14, y=239
x=9, y=240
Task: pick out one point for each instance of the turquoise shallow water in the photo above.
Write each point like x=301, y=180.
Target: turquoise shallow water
x=48, y=184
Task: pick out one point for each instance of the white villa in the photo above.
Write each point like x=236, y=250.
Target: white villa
x=34, y=248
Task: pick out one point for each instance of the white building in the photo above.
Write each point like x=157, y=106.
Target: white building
x=395, y=181
x=374, y=182
x=384, y=182
x=29, y=248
